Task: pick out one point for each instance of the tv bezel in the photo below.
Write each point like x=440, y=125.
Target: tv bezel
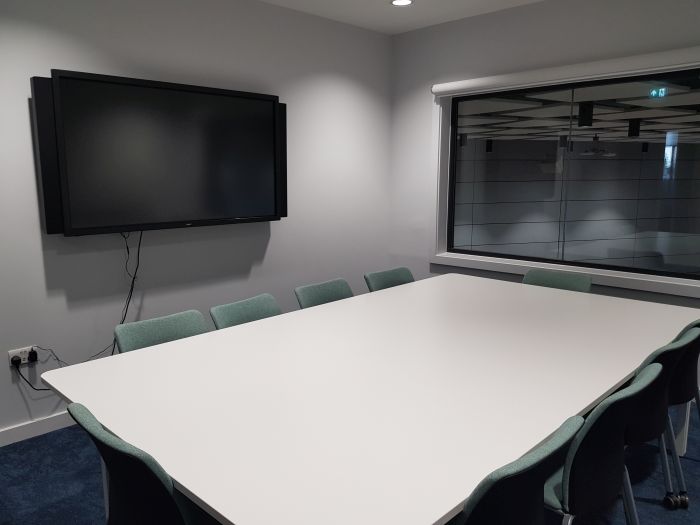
x=279, y=138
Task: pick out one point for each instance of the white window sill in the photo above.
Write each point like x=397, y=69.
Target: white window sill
x=615, y=278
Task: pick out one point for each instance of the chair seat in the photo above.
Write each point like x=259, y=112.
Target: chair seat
x=553, y=491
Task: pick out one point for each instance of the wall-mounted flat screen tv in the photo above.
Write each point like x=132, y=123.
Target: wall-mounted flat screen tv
x=120, y=154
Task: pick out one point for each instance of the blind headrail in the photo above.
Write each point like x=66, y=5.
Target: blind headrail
x=660, y=62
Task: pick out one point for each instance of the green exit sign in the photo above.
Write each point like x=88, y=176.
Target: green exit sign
x=657, y=92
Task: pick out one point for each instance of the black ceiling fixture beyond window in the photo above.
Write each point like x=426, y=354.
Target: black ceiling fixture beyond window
x=596, y=174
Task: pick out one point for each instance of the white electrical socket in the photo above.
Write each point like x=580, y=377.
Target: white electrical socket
x=23, y=354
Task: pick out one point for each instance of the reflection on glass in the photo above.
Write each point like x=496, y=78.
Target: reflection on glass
x=670, y=152
x=606, y=174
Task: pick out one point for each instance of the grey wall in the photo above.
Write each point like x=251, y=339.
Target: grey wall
x=67, y=293
x=547, y=34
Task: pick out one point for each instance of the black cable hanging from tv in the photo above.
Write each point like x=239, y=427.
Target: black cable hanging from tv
x=134, y=276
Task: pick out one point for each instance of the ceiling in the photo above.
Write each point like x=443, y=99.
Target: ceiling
x=545, y=115
x=381, y=16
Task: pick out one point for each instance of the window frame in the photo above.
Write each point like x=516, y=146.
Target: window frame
x=447, y=97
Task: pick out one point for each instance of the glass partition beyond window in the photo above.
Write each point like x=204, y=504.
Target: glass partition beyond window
x=603, y=174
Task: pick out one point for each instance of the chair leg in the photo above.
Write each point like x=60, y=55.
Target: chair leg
x=682, y=491
x=670, y=500
x=105, y=486
x=682, y=432
x=697, y=400
x=628, y=500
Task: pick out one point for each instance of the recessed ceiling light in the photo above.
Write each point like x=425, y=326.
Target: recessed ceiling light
x=401, y=3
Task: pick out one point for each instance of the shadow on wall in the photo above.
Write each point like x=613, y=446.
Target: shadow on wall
x=90, y=267
x=30, y=397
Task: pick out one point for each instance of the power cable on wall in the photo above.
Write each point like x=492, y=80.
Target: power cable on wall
x=112, y=347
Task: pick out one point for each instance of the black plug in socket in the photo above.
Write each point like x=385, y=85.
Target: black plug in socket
x=32, y=357
x=16, y=361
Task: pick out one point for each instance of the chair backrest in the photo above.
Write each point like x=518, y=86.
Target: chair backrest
x=140, y=491
x=563, y=280
x=595, y=463
x=140, y=334
x=245, y=311
x=694, y=324
x=388, y=278
x=649, y=422
x=512, y=495
x=321, y=293
x=684, y=384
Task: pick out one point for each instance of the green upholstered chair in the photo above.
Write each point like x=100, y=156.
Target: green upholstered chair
x=245, y=311
x=678, y=386
x=590, y=480
x=688, y=382
x=512, y=495
x=683, y=389
x=140, y=491
x=388, y=278
x=140, y=334
x=563, y=280
x=322, y=293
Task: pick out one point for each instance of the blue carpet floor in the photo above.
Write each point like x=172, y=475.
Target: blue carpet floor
x=51, y=479
x=56, y=479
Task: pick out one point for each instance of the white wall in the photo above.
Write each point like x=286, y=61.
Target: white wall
x=67, y=293
x=546, y=34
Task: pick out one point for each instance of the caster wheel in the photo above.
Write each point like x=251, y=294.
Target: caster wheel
x=671, y=502
x=683, y=501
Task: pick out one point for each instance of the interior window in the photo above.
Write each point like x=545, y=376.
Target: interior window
x=603, y=174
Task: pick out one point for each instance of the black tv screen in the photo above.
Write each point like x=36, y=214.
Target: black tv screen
x=135, y=154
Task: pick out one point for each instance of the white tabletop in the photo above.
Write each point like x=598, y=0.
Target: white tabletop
x=386, y=408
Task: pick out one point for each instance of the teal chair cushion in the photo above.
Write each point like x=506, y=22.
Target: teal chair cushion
x=641, y=381
x=140, y=491
x=245, y=311
x=563, y=280
x=388, y=278
x=553, y=492
x=140, y=334
x=321, y=293
x=687, y=336
x=694, y=324
x=596, y=455
x=519, y=483
x=684, y=384
x=97, y=432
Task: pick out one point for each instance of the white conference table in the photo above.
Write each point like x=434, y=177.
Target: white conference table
x=386, y=408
